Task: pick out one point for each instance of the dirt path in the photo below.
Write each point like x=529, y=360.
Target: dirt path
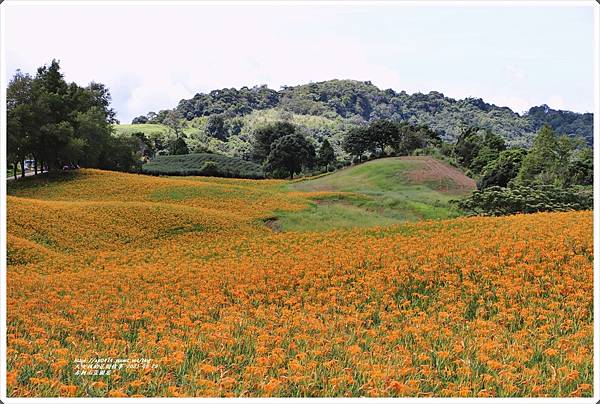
x=27, y=174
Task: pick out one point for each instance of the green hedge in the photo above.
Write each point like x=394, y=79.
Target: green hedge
x=497, y=201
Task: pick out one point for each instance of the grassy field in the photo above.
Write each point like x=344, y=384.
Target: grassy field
x=195, y=164
x=182, y=274
x=380, y=192
x=147, y=128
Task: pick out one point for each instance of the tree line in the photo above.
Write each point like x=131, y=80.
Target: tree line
x=556, y=173
x=284, y=150
x=358, y=103
x=383, y=137
x=63, y=125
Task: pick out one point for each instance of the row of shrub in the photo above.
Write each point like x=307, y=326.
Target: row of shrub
x=205, y=164
x=498, y=201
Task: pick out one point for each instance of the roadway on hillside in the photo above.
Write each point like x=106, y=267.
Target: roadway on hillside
x=27, y=174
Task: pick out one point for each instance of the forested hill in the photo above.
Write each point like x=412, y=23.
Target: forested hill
x=355, y=102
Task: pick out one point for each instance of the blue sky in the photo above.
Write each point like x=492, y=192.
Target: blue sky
x=153, y=56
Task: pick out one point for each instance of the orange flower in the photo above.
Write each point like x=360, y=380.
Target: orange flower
x=220, y=305
x=208, y=369
x=68, y=390
x=11, y=378
x=271, y=386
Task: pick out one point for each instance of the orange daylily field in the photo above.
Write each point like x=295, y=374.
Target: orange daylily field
x=183, y=274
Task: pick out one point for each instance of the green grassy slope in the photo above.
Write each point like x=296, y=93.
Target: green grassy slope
x=147, y=128
x=380, y=192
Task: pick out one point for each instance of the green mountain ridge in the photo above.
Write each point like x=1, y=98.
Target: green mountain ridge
x=354, y=102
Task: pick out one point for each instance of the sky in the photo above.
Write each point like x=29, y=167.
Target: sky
x=152, y=56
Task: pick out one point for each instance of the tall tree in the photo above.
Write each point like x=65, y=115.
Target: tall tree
x=475, y=148
x=356, y=142
x=215, y=126
x=289, y=155
x=95, y=131
x=55, y=110
x=326, y=154
x=410, y=138
x=57, y=123
x=21, y=123
x=581, y=168
x=502, y=170
x=179, y=147
x=173, y=120
x=467, y=146
x=382, y=133
x=547, y=161
x=265, y=136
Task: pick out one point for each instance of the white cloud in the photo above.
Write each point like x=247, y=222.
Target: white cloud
x=515, y=72
x=516, y=103
x=167, y=94
x=153, y=56
x=556, y=102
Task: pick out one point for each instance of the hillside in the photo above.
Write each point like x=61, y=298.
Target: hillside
x=380, y=192
x=355, y=102
x=182, y=272
x=150, y=129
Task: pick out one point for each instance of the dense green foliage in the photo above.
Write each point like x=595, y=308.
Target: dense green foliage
x=290, y=154
x=565, y=122
x=548, y=160
x=60, y=124
x=497, y=201
x=266, y=136
x=203, y=164
x=474, y=149
x=215, y=126
x=581, y=168
x=230, y=101
x=179, y=147
x=555, y=174
x=501, y=171
x=383, y=137
x=326, y=155
x=356, y=102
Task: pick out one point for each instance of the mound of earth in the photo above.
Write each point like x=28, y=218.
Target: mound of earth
x=437, y=174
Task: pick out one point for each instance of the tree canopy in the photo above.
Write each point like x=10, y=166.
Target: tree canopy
x=265, y=136
x=361, y=102
x=289, y=155
x=56, y=123
x=326, y=154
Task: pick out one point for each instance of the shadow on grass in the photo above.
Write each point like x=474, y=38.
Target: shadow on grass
x=40, y=180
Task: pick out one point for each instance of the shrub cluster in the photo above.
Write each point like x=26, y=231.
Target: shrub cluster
x=498, y=201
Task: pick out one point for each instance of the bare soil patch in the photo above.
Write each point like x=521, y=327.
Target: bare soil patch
x=273, y=224
x=442, y=176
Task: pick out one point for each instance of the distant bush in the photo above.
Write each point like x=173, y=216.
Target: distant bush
x=498, y=201
x=206, y=164
x=210, y=168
